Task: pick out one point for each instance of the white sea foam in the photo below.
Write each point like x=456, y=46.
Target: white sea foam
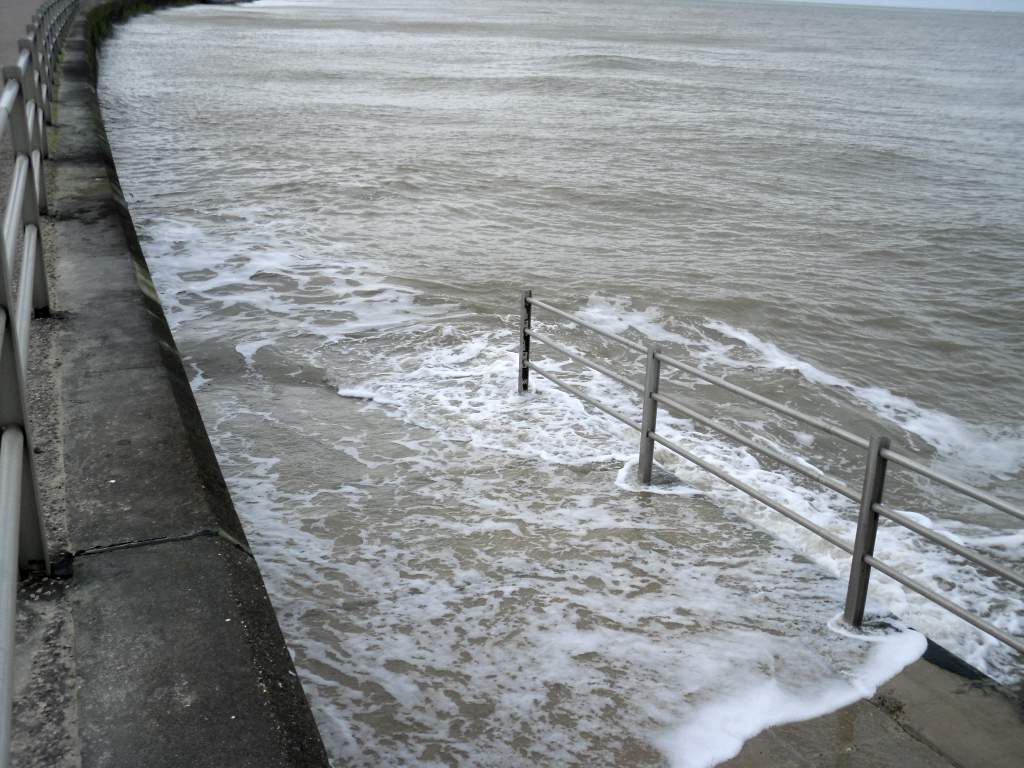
x=718, y=729
x=995, y=450
x=449, y=385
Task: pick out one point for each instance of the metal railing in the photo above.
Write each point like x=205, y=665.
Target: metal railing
x=24, y=113
x=869, y=499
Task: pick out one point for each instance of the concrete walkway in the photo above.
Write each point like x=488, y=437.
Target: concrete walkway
x=937, y=713
x=163, y=650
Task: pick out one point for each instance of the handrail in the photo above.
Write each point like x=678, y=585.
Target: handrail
x=967, y=490
x=754, y=493
x=613, y=412
x=12, y=454
x=824, y=426
x=813, y=421
x=586, y=324
x=949, y=605
x=24, y=114
x=825, y=479
x=600, y=367
x=948, y=543
x=869, y=499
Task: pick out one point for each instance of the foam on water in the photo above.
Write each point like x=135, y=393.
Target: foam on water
x=719, y=729
x=996, y=451
x=448, y=383
x=470, y=401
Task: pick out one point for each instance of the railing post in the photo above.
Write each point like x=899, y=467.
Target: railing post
x=867, y=528
x=649, y=421
x=18, y=116
x=11, y=461
x=525, y=323
x=32, y=549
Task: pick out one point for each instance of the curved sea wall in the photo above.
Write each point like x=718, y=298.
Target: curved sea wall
x=179, y=655
x=176, y=651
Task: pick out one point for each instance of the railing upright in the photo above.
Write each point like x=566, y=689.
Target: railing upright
x=525, y=324
x=649, y=420
x=11, y=468
x=867, y=529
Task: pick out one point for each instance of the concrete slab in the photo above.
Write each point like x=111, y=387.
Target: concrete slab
x=937, y=712
x=191, y=674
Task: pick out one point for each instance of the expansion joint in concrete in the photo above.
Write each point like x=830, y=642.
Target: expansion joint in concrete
x=157, y=540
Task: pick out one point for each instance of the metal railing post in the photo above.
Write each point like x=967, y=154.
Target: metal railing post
x=867, y=528
x=32, y=548
x=649, y=421
x=525, y=323
x=18, y=116
x=12, y=453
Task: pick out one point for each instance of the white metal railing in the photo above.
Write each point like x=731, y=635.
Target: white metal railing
x=869, y=498
x=24, y=113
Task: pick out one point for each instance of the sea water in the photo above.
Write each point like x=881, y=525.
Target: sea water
x=341, y=203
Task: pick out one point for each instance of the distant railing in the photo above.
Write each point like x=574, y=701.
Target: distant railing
x=24, y=112
x=879, y=457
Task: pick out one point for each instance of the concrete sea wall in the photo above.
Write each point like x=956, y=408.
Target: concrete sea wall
x=164, y=648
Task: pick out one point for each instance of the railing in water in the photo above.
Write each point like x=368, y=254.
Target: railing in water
x=869, y=498
x=24, y=113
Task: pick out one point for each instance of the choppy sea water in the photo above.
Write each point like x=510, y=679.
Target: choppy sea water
x=341, y=205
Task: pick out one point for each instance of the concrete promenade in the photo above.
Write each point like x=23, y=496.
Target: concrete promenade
x=163, y=650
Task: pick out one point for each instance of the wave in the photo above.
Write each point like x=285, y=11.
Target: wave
x=993, y=450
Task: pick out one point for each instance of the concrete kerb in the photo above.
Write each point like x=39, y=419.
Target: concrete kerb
x=174, y=654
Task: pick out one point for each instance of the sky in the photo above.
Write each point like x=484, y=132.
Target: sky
x=966, y=5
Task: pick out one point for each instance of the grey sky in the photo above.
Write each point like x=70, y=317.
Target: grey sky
x=966, y=5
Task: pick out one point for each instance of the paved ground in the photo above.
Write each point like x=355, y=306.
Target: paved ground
x=163, y=649
x=938, y=713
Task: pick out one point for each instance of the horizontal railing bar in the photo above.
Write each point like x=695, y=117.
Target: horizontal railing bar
x=596, y=329
x=828, y=481
x=12, y=455
x=952, y=546
x=824, y=426
x=939, y=600
x=599, y=367
x=754, y=493
x=614, y=413
x=968, y=490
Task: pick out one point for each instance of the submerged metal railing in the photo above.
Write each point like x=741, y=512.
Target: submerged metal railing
x=24, y=113
x=869, y=499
